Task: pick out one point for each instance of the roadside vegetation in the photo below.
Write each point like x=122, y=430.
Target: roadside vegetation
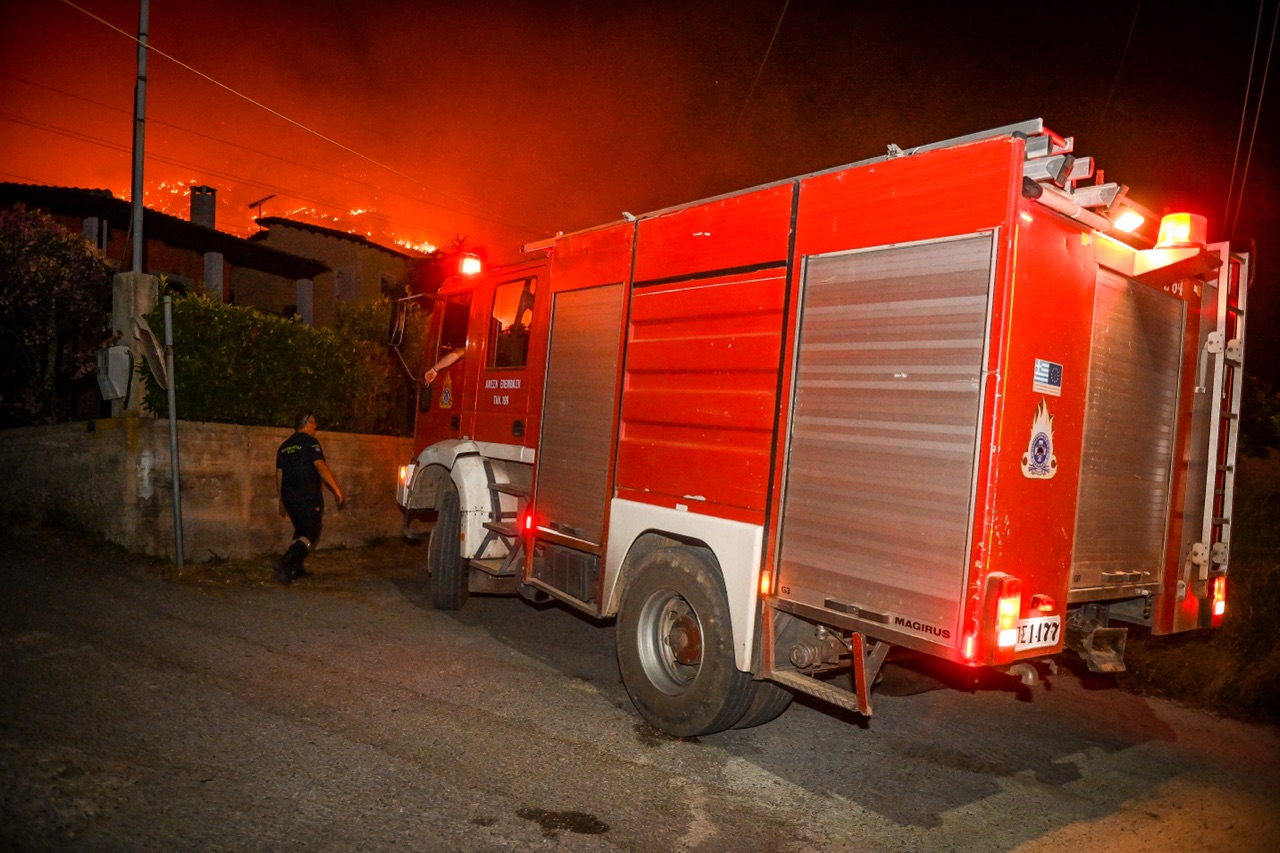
x=55, y=312
x=1233, y=670
x=241, y=366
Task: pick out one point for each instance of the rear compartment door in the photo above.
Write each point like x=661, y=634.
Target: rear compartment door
x=1127, y=457
x=878, y=502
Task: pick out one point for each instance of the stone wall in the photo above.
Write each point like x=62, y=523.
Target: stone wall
x=113, y=477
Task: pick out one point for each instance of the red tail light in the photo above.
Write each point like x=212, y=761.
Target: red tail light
x=1001, y=611
x=1008, y=609
x=1219, y=587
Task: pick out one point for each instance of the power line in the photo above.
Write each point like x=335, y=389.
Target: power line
x=229, y=143
x=1257, y=114
x=302, y=126
x=1124, y=55
x=750, y=92
x=1244, y=113
x=760, y=71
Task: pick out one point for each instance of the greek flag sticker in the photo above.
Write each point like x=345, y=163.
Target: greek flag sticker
x=1048, y=378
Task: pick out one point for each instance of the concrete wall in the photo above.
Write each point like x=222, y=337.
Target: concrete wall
x=113, y=477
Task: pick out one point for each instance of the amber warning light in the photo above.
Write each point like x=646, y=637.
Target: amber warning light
x=1182, y=229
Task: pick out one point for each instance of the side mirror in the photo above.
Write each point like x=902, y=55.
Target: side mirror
x=396, y=322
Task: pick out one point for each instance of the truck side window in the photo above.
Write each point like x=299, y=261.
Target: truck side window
x=453, y=330
x=509, y=326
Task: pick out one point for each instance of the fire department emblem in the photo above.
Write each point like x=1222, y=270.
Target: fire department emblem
x=1038, y=462
x=446, y=393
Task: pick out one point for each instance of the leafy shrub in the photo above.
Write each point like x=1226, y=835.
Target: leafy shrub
x=1234, y=669
x=55, y=312
x=238, y=365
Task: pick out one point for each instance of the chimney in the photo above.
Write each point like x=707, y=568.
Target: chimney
x=204, y=206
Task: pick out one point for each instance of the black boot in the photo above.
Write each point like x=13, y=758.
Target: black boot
x=284, y=572
x=293, y=560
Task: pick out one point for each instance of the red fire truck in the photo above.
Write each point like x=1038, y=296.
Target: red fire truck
x=966, y=400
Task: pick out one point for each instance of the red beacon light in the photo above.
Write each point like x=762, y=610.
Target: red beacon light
x=1182, y=230
x=469, y=264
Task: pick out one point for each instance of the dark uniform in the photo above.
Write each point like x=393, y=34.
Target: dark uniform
x=300, y=492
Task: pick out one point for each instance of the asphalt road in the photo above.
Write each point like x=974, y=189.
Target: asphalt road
x=221, y=711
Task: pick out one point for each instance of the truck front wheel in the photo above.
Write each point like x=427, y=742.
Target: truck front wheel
x=444, y=554
x=675, y=646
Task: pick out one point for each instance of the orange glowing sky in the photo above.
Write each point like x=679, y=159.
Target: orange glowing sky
x=509, y=121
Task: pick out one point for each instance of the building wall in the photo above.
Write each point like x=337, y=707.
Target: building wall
x=113, y=477
x=177, y=264
x=280, y=295
x=358, y=270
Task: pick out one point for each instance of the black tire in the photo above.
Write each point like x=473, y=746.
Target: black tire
x=675, y=646
x=444, y=555
x=767, y=705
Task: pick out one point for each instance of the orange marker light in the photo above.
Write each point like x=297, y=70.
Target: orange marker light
x=1042, y=603
x=766, y=582
x=1182, y=229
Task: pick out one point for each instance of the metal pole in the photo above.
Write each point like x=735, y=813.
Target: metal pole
x=173, y=427
x=139, y=128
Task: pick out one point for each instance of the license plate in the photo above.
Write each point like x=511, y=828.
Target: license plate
x=1038, y=632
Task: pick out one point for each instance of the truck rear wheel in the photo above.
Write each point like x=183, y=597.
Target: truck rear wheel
x=767, y=704
x=675, y=646
x=444, y=555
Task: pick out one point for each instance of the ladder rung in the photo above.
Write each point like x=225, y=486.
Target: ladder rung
x=494, y=566
x=1223, y=520
x=821, y=689
x=1235, y=309
x=510, y=489
x=1227, y=468
x=502, y=528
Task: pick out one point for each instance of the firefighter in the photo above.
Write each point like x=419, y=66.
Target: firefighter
x=447, y=359
x=300, y=472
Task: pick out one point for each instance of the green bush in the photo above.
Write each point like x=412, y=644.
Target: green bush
x=55, y=312
x=238, y=365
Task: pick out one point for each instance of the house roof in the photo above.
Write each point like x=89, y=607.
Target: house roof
x=273, y=221
x=170, y=230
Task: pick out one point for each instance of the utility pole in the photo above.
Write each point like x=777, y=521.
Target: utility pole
x=139, y=131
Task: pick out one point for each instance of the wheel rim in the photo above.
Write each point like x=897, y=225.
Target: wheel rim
x=670, y=641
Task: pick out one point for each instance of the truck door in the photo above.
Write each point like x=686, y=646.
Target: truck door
x=1127, y=458
x=502, y=403
x=442, y=404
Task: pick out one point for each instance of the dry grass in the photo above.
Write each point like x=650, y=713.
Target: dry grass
x=1234, y=670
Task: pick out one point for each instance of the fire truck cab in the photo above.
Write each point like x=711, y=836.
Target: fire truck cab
x=964, y=399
